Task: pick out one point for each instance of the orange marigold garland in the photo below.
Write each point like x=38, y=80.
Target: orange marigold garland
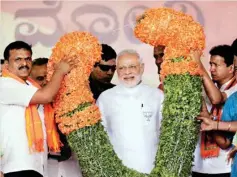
x=180, y=34
x=76, y=113
x=79, y=118
x=75, y=88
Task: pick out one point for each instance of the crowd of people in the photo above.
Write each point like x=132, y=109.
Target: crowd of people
x=32, y=146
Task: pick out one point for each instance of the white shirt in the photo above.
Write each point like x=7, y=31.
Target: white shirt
x=132, y=118
x=67, y=168
x=14, y=98
x=215, y=165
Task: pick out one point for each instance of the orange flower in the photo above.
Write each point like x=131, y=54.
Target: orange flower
x=75, y=89
x=175, y=30
x=181, y=67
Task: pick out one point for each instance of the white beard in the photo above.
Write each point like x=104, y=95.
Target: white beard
x=131, y=84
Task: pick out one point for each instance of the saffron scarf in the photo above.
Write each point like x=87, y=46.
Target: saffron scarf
x=209, y=148
x=34, y=129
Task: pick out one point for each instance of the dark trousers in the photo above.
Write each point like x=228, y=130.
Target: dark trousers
x=194, y=174
x=26, y=173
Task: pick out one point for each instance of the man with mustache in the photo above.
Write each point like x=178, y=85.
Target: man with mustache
x=103, y=72
x=26, y=132
x=228, y=121
x=133, y=120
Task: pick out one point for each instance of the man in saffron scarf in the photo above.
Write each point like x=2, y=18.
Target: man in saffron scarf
x=210, y=159
x=228, y=122
x=26, y=133
x=63, y=163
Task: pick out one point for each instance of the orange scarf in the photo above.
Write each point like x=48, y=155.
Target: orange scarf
x=209, y=148
x=34, y=129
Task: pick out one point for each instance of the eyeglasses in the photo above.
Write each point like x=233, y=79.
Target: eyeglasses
x=106, y=67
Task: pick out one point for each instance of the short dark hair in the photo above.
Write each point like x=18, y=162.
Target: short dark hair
x=224, y=51
x=2, y=61
x=234, y=46
x=108, y=53
x=16, y=45
x=40, y=61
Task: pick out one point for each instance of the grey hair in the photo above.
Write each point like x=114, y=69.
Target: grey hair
x=129, y=51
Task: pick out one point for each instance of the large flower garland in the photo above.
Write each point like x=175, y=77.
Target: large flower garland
x=182, y=86
x=76, y=113
x=73, y=105
x=79, y=118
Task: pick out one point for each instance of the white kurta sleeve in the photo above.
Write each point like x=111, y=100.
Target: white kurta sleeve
x=100, y=104
x=160, y=110
x=15, y=93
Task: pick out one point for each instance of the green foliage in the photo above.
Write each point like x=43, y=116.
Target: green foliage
x=79, y=108
x=179, y=129
x=179, y=133
x=178, y=59
x=96, y=155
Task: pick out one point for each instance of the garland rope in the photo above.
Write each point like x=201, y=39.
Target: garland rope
x=79, y=118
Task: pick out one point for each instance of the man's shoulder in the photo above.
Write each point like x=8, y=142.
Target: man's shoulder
x=152, y=90
x=233, y=96
x=232, y=100
x=108, y=93
x=7, y=80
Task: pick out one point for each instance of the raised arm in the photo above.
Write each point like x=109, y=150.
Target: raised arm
x=212, y=91
x=47, y=93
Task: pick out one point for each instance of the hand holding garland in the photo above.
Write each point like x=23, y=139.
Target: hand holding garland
x=47, y=93
x=208, y=124
x=213, y=93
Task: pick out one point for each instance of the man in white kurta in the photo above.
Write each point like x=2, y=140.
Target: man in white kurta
x=131, y=114
x=22, y=155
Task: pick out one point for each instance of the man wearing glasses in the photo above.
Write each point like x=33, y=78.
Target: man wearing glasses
x=102, y=74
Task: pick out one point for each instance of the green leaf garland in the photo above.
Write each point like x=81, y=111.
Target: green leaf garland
x=179, y=129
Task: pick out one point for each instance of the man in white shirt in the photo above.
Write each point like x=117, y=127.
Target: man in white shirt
x=23, y=128
x=210, y=160
x=133, y=119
